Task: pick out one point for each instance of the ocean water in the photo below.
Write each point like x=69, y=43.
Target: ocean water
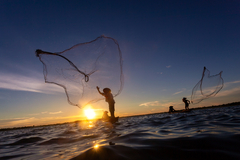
x=200, y=134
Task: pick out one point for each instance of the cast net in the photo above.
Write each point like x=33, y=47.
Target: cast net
x=207, y=87
x=79, y=69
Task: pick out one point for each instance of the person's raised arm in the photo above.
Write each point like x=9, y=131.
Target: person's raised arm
x=99, y=90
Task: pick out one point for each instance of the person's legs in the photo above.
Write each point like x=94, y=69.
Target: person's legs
x=111, y=109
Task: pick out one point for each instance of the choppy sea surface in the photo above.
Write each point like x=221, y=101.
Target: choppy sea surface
x=200, y=134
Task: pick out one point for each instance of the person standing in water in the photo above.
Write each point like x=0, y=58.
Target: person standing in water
x=187, y=102
x=171, y=109
x=108, y=98
x=105, y=116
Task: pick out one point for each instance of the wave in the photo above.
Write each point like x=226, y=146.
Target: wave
x=199, y=134
x=67, y=140
x=186, y=148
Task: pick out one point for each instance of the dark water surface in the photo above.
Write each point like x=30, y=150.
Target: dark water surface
x=200, y=134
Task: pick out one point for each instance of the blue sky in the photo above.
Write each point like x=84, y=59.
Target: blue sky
x=164, y=44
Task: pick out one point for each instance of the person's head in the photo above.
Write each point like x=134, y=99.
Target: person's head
x=171, y=107
x=184, y=98
x=105, y=113
x=107, y=90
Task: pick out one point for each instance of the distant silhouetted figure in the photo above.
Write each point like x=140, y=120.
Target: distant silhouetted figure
x=108, y=98
x=187, y=102
x=105, y=116
x=171, y=109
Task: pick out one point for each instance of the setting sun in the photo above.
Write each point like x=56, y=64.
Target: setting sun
x=90, y=114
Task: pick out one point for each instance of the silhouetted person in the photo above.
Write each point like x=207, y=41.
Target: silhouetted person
x=108, y=98
x=105, y=116
x=171, y=109
x=187, y=102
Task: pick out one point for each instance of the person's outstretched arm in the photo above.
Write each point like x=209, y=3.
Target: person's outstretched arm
x=99, y=91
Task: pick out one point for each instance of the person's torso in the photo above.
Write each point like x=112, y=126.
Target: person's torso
x=109, y=98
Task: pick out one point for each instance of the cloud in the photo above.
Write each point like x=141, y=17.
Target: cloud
x=34, y=114
x=229, y=92
x=168, y=66
x=25, y=121
x=184, y=89
x=231, y=83
x=30, y=121
x=11, y=120
x=55, y=112
x=161, y=106
x=25, y=83
x=44, y=112
x=147, y=104
x=163, y=103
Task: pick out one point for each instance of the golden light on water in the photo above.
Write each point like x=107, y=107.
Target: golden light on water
x=89, y=112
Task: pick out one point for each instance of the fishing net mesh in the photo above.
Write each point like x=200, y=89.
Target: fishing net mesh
x=207, y=87
x=79, y=69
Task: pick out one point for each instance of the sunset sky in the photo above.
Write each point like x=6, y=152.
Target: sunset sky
x=165, y=44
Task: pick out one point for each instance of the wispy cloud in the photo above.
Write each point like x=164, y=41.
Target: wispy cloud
x=16, y=122
x=163, y=103
x=12, y=120
x=161, y=106
x=231, y=83
x=147, y=104
x=29, y=121
x=55, y=112
x=25, y=83
x=44, y=112
x=229, y=92
x=168, y=66
x=34, y=114
x=184, y=89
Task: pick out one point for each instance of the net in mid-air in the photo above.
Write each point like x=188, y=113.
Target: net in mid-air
x=207, y=87
x=79, y=69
